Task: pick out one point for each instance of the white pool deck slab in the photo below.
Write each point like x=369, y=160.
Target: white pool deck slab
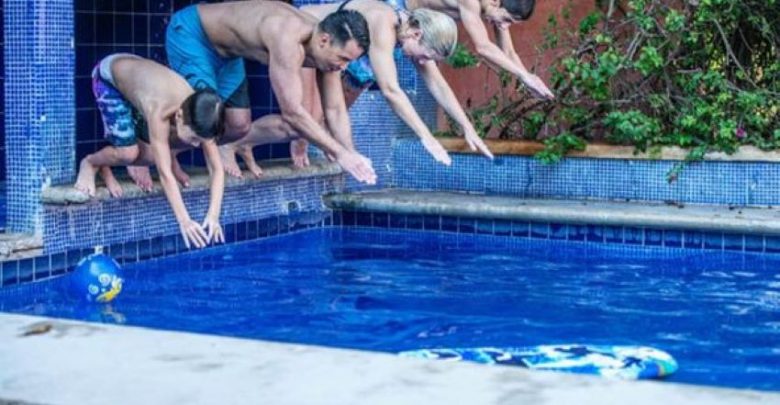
x=53, y=361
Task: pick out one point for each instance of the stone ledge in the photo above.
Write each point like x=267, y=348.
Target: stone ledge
x=663, y=216
x=273, y=170
x=17, y=246
x=530, y=148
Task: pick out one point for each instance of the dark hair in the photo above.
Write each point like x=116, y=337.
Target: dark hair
x=519, y=9
x=204, y=112
x=344, y=25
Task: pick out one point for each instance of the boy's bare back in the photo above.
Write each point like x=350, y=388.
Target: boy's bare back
x=151, y=87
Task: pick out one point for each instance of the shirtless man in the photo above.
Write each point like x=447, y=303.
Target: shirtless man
x=141, y=100
x=422, y=35
x=205, y=43
x=500, y=14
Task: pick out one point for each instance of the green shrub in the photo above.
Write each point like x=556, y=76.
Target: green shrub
x=699, y=74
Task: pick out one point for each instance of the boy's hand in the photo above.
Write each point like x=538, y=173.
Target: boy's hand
x=214, y=230
x=193, y=233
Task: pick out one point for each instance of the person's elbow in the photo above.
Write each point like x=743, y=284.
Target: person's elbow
x=390, y=91
x=484, y=49
x=293, y=115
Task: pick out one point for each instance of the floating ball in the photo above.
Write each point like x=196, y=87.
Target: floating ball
x=96, y=278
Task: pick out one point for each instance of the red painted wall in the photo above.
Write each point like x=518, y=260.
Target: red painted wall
x=474, y=86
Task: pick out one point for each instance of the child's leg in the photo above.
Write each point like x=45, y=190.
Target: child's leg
x=111, y=184
x=119, y=131
x=108, y=156
x=267, y=129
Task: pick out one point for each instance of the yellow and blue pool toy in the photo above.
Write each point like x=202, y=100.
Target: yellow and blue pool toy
x=619, y=362
x=96, y=278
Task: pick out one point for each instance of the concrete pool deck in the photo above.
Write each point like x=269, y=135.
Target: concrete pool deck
x=711, y=218
x=54, y=361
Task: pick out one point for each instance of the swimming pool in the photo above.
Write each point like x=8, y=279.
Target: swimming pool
x=717, y=313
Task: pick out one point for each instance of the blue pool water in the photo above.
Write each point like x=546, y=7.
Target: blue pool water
x=718, y=314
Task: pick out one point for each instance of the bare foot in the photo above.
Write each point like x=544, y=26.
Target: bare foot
x=86, y=179
x=249, y=160
x=228, y=155
x=113, y=186
x=141, y=177
x=181, y=176
x=299, y=149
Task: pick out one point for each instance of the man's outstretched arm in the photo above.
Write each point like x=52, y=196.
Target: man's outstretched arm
x=284, y=71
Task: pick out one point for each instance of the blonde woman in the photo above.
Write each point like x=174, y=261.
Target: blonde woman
x=424, y=36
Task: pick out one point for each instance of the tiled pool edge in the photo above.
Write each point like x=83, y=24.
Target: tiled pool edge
x=710, y=182
x=379, y=210
x=51, y=265
x=140, y=227
x=172, y=367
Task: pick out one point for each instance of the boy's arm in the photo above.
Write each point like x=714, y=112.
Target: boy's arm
x=381, y=57
x=443, y=94
x=335, y=108
x=158, y=133
x=470, y=15
x=216, y=190
x=284, y=71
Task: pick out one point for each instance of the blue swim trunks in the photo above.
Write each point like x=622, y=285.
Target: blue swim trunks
x=123, y=124
x=359, y=73
x=191, y=54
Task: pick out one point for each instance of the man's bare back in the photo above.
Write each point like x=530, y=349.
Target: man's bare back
x=246, y=28
x=449, y=7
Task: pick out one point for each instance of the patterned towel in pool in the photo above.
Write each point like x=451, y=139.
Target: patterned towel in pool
x=623, y=362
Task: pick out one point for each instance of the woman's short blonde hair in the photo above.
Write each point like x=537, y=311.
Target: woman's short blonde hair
x=439, y=31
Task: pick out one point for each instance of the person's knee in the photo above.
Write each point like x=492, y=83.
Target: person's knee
x=285, y=128
x=237, y=128
x=126, y=155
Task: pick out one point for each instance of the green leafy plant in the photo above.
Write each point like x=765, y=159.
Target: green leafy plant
x=698, y=74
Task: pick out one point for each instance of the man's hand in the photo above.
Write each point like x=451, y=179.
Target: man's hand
x=358, y=166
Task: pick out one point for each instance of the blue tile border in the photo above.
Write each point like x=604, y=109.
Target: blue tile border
x=710, y=182
x=621, y=235
x=49, y=265
x=42, y=267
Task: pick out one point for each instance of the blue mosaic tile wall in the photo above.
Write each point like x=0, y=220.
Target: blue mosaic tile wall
x=620, y=235
x=115, y=221
x=104, y=27
x=39, y=115
x=376, y=128
x=56, y=264
x=735, y=183
x=2, y=106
